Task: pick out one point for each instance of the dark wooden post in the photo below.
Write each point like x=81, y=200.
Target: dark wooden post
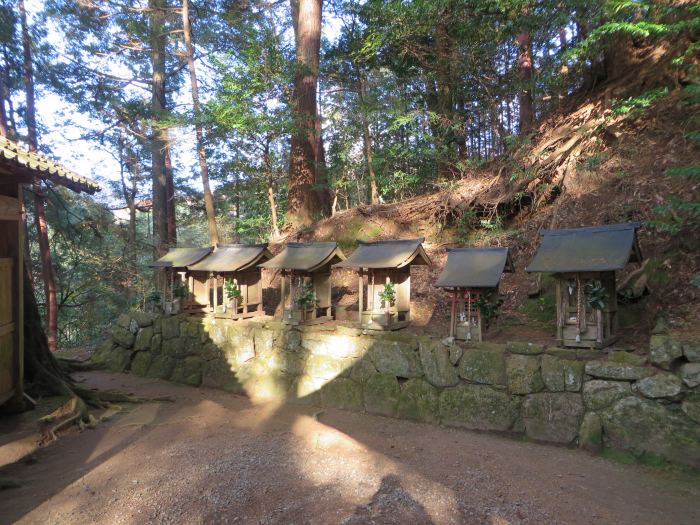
x=453, y=315
x=361, y=290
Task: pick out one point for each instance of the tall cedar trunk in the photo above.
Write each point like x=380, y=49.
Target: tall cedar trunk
x=4, y=128
x=39, y=206
x=270, y=190
x=170, y=194
x=321, y=186
x=130, y=164
x=159, y=139
x=367, y=141
x=527, y=115
x=445, y=139
x=201, y=153
x=303, y=203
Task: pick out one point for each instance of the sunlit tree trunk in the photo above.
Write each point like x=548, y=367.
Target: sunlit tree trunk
x=159, y=139
x=367, y=140
x=201, y=153
x=275, y=231
x=303, y=204
x=39, y=205
x=527, y=115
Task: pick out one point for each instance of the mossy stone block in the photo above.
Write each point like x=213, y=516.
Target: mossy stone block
x=478, y=407
x=342, y=393
x=381, y=394
x=523, y=373
x=419, y=401
x=484, y=366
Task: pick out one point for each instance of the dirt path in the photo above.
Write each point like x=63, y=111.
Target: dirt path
x=212, y=457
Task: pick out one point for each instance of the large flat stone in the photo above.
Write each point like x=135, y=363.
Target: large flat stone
x=381, y=394
x=644, y=427
x=324, y=367
x=478, y=407
x=607, y=370
x=334, y=345
x=419, y=401
x=140, y=363
x=143, y=339
x=659, y=385
x=553, y=417
x=122, y=336
x=170, y=327
x=562, y=375
x=485, y=366
x=342, y=393
x=599, y=394
x=396, y=358
x=435, y=358
x=161, y=367
x=690, y=374
x=664, y=349
x=523, y=373
x=188, y=371
x=590, y=435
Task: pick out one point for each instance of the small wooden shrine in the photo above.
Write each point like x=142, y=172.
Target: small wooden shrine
x=176, y=295
x=583, y=262
x=472, y=276
x=228, y=282
x=306, y=280
x=384, y=269
x=17, y=167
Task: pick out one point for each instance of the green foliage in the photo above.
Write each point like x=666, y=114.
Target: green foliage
x=489, y=303
x=306, y=298
x=388, y=294
x=636, y=105
x=677, y=214
x=596, y=295
x=232, y=290
x=179, y=291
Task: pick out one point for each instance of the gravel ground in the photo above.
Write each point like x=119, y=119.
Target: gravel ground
x=212, y=457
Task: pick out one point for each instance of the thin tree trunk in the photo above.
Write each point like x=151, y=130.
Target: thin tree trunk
x=159, y=140
x=527, y=114
x=303, y=203
x=367, y=141
x=201, y=153
x=39, y=205
x=4, y=128
x=170, y=194
x=270, y=190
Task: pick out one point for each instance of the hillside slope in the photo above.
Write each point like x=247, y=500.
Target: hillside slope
x=601, y=158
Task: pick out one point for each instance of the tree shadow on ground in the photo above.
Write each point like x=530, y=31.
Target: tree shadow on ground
x=391, y=504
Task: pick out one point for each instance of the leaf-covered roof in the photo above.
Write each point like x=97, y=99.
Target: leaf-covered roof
x=15, y=157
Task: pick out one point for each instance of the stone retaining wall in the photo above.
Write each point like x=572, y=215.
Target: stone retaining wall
x=651, y=410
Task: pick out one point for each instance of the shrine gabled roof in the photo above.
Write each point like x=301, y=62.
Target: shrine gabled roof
x=181, y=258
x=594, y=249
x=387, y=254
x=474, y=268
x=232, y=258
x=14, y=157
x=305, y=256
